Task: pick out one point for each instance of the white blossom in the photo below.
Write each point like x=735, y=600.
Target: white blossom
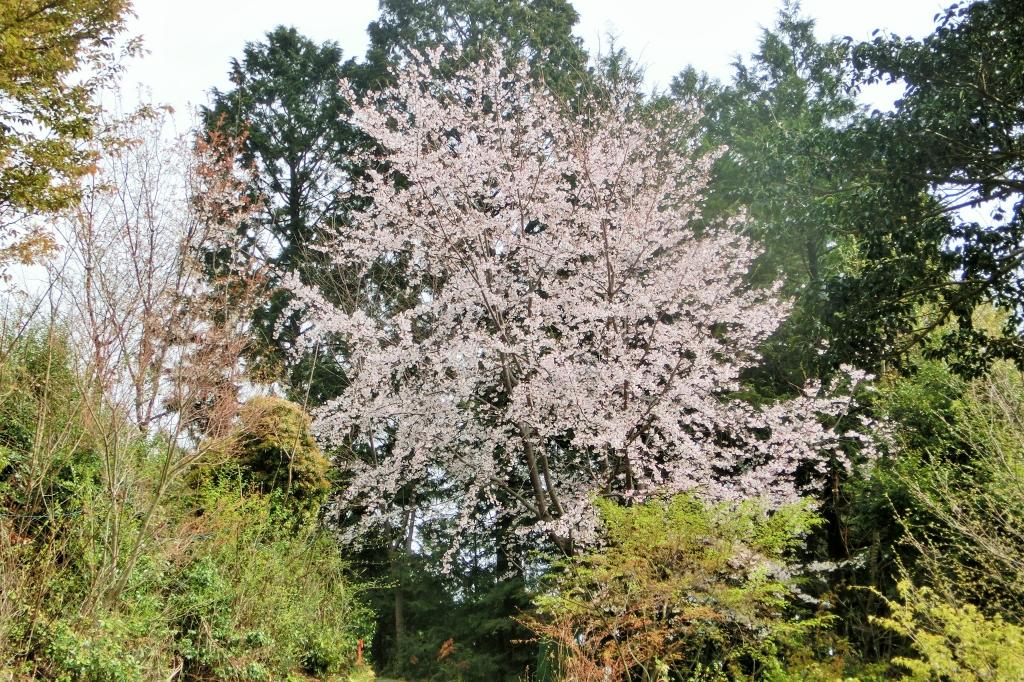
x=580, y=329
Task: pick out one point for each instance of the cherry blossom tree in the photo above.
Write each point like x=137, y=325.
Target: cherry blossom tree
x=570, y=331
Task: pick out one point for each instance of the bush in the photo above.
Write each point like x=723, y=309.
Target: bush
x=954, y=641
x=226, y=582
x=968, y=526
x=680, y=588
x=273, y=450
x=254, y=594
x=45, y=448
x=69, y=656
x=960, y=602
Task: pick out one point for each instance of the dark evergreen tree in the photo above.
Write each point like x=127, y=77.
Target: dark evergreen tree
x=539, y=31
x=287, y=105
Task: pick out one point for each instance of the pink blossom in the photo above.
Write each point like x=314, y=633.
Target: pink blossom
x=579, y=329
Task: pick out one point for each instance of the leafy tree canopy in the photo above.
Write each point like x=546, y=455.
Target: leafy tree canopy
x=45, y=109
x=863, y=214
x=780, y=119
x=958, y=132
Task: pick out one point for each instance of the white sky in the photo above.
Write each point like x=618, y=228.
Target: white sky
x=191, y=41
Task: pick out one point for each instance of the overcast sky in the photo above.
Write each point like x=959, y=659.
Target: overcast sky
x=191, y=41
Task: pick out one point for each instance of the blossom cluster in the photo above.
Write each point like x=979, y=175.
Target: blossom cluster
x=571, y=327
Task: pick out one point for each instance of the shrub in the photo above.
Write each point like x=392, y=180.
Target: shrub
x=227, y=583
x=273, y=450
x=968, y=526
x=44, y=445
x=960, y=601
x=681, y=588
x=255, y=594
x=70, y=656
x=954, y=641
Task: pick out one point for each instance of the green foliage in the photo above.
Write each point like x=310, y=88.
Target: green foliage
x=292, y=120
x=893, y=517
x=41, y=406
x=782, y=119
x=272, y=450
x=231, y=583
x=680, y=588
x=456, y=627
x=69, y=655
x=967, y=498
x=958, y=131
x=857, y=212
x=778, y=116
x=457, y=623
x=276, y=451
x=252, y=595
x=954, y=641
x=946, y=514
x=539, y=31
x=47, y=49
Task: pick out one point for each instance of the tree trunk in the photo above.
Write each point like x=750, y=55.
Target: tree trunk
x=406, y=547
